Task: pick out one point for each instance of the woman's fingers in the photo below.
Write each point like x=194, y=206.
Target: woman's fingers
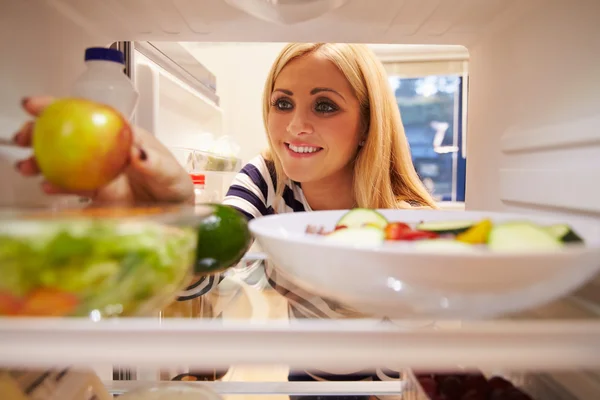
x=49, y=188
x=36, y=104
x=139, y=159
x=24, y=135
x=33, y=106
x=156, y=172
x=28, y=167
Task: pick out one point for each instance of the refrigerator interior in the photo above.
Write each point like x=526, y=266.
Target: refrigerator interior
x=533, y=141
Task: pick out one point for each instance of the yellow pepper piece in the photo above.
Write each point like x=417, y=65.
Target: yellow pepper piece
x=477, y=234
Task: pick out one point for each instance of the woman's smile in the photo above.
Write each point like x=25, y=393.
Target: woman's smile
x=302, y=150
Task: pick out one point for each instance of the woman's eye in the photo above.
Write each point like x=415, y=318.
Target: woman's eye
x=283, y=104
x=325, y=107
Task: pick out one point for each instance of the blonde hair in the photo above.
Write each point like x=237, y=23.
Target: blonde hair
x=384, y=175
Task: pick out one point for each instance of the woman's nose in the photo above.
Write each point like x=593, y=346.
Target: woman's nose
x=300, y=124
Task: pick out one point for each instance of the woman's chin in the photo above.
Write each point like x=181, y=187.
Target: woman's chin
x=298, y=175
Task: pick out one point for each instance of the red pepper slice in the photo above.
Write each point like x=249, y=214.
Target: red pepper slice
x=401, y=231
x=418, y=235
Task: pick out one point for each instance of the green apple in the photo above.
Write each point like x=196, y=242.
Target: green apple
x=81, y=145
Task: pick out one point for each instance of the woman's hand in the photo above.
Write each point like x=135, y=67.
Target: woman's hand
x=153, y=174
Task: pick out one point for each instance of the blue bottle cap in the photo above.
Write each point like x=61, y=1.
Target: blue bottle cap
x=102, y=53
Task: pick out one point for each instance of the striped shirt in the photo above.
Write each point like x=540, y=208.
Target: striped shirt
x=252, y=192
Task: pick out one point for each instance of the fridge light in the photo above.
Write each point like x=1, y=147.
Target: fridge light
x=286, y=12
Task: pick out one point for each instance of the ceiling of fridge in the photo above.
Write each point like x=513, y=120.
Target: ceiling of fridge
x=384, y=21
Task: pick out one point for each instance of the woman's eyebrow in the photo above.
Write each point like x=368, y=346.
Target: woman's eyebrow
x=324, y=89
x=312, y=92
x=288, y=92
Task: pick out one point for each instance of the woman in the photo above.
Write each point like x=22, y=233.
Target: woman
x=336, y=141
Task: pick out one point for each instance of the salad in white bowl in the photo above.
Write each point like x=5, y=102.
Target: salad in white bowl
x=369, y=228
x=429, y=263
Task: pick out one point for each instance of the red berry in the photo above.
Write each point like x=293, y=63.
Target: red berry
x=515, y=394
x=498, y=382
x=477, y=383
x=452, y=387
x=429, y=386
x=473, y=395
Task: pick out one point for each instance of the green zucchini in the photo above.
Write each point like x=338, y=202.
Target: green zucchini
x=564, y=233
x=445, y=227
x=359, y=217
x=368, y=236
x=522, y=236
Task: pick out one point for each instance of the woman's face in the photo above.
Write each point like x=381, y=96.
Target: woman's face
x=314, y=120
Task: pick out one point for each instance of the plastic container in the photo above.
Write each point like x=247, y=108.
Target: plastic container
x=57, y=384
x=200, y=192
x=172, y=392
x=192, y=303
x=105, y=82
x=206, y=161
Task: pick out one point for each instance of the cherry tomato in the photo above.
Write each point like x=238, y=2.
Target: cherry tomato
x=394, y=230
x=9, y=304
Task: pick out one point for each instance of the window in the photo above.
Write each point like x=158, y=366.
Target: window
x=431, y=110
x=430, y=86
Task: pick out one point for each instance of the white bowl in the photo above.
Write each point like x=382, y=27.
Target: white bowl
x=399, y=280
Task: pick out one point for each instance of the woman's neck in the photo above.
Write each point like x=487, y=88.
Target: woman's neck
x=333, y=193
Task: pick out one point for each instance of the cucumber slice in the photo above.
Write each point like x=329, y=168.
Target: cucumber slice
x=564, y=233
x=359, y=217
x=522, y=236
x=360, y=237
x=443, y=227
x=444, y=245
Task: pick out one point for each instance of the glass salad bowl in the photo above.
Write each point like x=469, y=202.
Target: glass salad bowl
x=97, y=262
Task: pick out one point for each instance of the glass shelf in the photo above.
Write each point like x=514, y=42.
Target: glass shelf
x=243, y=321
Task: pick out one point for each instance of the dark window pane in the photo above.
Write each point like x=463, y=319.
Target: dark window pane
x=430, y=107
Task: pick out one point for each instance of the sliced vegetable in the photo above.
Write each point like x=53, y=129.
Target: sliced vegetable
x=9, y=304
x=359, y=217
x=521, y=236
x=443, y=227
x=394, y=230
x=49, y=302
x=564, y=233
x=410, y=234
x=477, y=234
x=362, y=237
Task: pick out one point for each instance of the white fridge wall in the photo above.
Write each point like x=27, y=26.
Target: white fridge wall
x=241, y=70
x=536, y=84
x=178, y=116
x=42, y=53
